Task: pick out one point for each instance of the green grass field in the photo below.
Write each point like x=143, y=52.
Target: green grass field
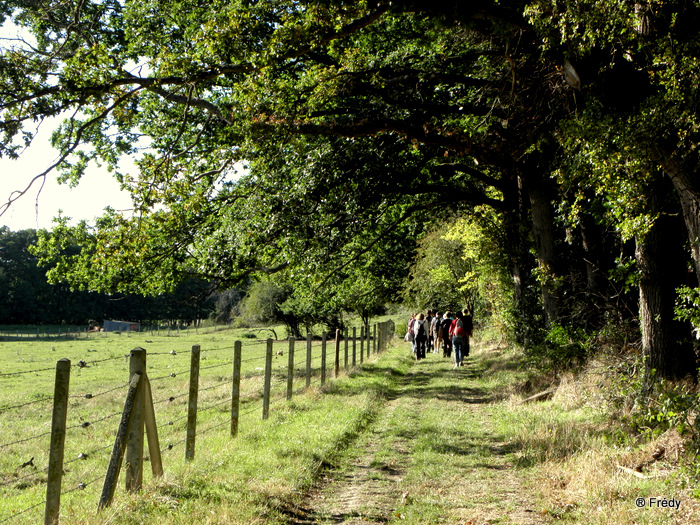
x=98, y=385
x=392, y=441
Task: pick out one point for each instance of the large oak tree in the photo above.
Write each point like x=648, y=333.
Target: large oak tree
x=298, y=138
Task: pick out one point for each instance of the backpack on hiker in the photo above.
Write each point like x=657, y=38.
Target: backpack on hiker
x=420, y=331
x=409, y=338
x=459, y=328
x=445, y=328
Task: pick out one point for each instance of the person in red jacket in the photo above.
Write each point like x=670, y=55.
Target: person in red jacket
x=458, y=333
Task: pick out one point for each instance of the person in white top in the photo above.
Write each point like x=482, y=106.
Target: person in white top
x=435, y=330
x=420, y=335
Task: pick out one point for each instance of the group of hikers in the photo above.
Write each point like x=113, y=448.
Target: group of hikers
x=433, y=330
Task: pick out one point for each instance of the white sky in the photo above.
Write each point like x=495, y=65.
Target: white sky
x=36, y=209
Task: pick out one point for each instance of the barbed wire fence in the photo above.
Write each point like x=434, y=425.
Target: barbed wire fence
x=50, y=332
x=82, y=449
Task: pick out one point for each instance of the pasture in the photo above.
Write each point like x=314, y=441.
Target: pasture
x=393, y=440
x=98, y=384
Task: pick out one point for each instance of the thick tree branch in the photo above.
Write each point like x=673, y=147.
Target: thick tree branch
x=457, y=143
x=464, y=168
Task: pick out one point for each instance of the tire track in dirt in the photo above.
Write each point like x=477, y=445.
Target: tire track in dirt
x=365, y=490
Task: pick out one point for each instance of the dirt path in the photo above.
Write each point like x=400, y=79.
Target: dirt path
x=363, y=491
x=373, y=486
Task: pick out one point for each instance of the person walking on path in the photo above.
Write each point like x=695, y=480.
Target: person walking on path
x=409, y=333
x=468, y=321
x=429, y=322
x=445, y=332
x=458, y=334
x=420, y=334
x=435, y=330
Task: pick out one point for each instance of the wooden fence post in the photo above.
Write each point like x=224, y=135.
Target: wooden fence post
x=367, y=339
x=58, y=439
x=375, y=344
x=362, y=344
x=336, y=368
x=134, y=442
x=119, y=444
x=192, y=403
x=323, y=358
x=347, y=340
x=290, y=368
x=308, y=360
x=236, y=389
x=354, y=345
x=268, y=376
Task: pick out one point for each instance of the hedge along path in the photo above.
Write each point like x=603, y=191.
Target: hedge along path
x=429, y=456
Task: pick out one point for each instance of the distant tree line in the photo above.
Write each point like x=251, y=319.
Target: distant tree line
x=27, y=297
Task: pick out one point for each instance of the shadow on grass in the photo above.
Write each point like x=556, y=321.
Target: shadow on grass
x=42, y=338
x=420, y=380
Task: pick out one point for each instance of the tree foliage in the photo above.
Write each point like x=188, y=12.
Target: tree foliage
x=315, y=143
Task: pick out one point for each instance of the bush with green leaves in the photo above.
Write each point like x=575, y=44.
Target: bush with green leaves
x=688, y=307
x=560, y=347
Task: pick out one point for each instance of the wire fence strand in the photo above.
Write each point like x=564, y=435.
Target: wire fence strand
x=249, y=401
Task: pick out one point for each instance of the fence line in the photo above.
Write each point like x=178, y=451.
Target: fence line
x=94, y=419
x=76, y=332
x=138, y=409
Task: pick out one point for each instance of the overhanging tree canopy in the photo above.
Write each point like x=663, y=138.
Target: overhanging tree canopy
x=356, y=121
x=351, y=116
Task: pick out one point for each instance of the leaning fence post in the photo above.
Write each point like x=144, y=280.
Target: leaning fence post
x=192, y=404
x=323, y=358
x=268, y=376
x=58, y=439
x=290, y=368
x=114, y=466
x=308, y=360
x=134, y=443
x=236, y=389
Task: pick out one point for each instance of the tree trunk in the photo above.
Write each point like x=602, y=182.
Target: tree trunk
x=690, y=203
x=661, y=261
x=515, y=246
x=687, y=187
x=543, y=234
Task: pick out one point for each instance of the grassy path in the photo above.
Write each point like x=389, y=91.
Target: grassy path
x=396, y=441
x=431, y=455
